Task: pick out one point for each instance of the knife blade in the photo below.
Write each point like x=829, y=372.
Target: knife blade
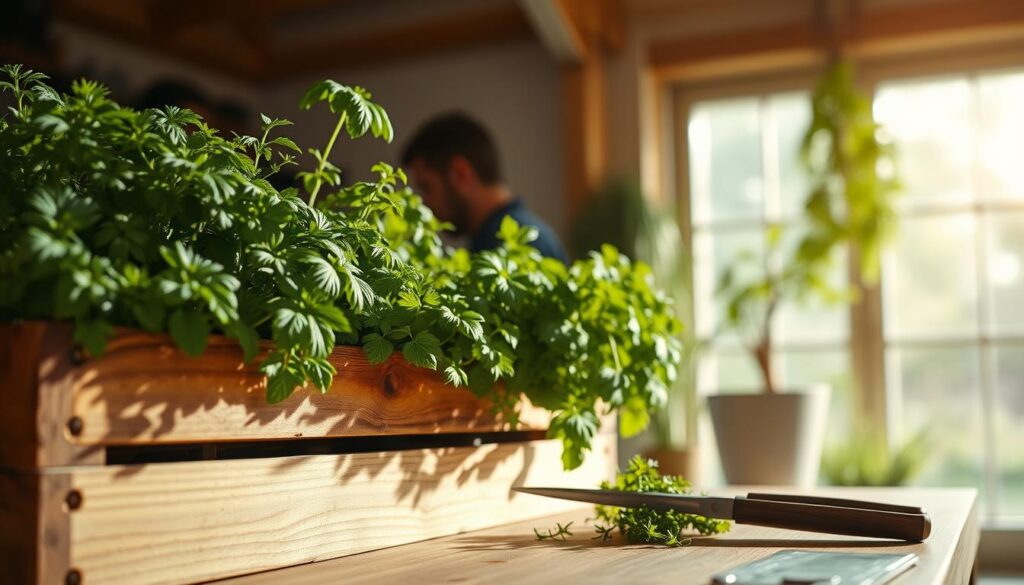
x=710, y=507
x=813, y=514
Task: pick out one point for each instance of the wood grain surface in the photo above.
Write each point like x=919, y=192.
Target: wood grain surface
x=34, y=528
x=192, y=521
x=36, y=377
x=512, y=554
x=145, y=391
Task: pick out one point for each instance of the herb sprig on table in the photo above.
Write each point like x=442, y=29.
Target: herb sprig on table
x=643, y=525
x=115, y=217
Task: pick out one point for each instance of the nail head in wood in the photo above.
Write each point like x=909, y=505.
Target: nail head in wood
x=73, y=500
x=74, y=577
x=75, y=425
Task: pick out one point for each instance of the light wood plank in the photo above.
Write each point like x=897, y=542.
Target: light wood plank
x=184, y=522
x=145, y=391
x=511, y=554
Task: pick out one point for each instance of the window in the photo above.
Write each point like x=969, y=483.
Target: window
x=952, y=291
x=953, y=288
x=745, y=174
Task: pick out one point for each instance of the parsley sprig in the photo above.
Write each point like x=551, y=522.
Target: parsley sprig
x=643, y=525
x=152, y=219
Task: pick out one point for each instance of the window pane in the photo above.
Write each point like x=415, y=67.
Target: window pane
x=938, y=389
x=726, y=370
x=1001, y=135
x=930, y=280
x=1009, y=427
x=812, y=319
x=931, y=125
x=725, y=160
x=822, y=366
x=714, y=250
x=792, y=116
x=1005, y=267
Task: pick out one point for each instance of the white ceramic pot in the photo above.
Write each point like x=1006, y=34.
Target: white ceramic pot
x=771, y=439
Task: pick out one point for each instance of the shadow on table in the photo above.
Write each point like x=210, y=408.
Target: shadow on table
x=581, y=541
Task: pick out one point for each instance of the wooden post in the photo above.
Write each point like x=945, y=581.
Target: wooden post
x=580, y=33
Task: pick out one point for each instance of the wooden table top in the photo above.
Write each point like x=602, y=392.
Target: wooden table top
x=512, y=554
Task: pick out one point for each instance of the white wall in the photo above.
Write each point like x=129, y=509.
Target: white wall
x=513, y=88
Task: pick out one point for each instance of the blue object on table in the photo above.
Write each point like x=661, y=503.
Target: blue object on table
x=812, y=568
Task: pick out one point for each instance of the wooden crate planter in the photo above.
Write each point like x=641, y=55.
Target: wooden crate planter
x=148, y=466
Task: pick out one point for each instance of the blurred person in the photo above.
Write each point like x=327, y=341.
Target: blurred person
x=453, y=163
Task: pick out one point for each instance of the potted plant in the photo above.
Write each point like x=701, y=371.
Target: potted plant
x=620, y=213
x=776, y=436
x=171, y=323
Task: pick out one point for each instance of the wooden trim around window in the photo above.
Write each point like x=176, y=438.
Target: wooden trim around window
x=875, y=34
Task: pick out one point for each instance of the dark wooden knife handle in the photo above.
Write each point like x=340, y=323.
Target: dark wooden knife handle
x=832, y=519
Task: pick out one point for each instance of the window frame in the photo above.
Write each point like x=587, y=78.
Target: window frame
x=867, y=338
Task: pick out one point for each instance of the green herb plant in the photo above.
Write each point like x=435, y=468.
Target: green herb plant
x=850, y=204
x=619, y=213
x=646, y=526
x=115, y=217
x=559, y=532
x=867, y=461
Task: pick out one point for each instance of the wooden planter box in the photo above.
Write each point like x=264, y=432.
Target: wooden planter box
x=148, y=466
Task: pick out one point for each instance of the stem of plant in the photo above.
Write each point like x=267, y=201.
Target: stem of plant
x=763, y=350
x=259, y=150
x=323, y=159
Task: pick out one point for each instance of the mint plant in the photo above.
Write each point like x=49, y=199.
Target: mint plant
x=115, y=217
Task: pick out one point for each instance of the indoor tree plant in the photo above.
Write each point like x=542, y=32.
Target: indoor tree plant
x=776, y=437
x=150, y=219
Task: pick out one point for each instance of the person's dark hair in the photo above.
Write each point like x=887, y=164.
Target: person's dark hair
x=455, y=134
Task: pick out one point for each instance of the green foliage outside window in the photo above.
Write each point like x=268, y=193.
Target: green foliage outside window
x=853, y=187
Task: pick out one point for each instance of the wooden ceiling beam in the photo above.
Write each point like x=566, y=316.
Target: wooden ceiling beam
x=570, y=29
x=171, y=15
x=122, y=21
x=502, y=22
x=247, y=53
x=599, y=29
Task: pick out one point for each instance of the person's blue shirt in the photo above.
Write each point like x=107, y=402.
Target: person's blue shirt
x=547, y=242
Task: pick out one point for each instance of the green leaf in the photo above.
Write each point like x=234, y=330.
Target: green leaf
x=247, y=337
x=409, y=300
x=190, y=330
x=455, y=376
x=422, y=350
x=151, y=315
x=93, y=334
x=287, y=143
x=633, y=418
x=325, y=276
x=283, y=375
x=377, y=348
